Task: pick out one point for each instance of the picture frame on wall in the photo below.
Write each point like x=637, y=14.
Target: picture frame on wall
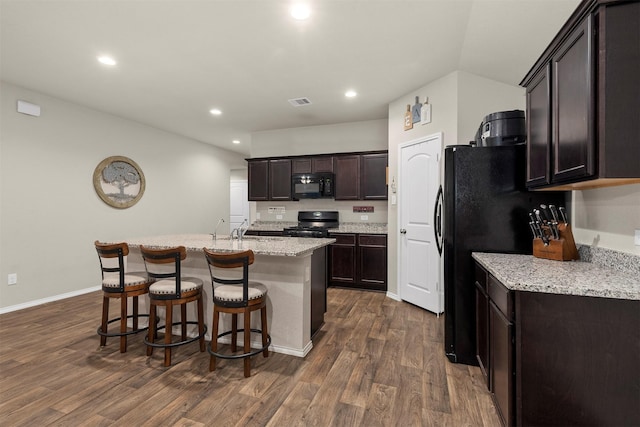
x=119, y=182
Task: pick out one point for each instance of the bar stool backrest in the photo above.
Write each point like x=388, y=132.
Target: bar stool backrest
x=240, y=261
x=164, y=264
x=112, y=258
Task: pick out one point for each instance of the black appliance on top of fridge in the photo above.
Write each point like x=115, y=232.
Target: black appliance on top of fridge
x=486, y=207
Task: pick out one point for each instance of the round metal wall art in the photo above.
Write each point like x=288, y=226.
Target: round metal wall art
x=119, y=182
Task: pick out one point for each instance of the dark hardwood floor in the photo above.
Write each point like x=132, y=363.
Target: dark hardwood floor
x=376, y=361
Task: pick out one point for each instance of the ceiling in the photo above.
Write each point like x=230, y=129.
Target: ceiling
x=179, y=59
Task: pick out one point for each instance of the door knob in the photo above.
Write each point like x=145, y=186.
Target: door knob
x=403, y=231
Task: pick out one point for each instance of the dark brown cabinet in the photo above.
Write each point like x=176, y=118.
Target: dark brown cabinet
x=373, y=182
x=361, y=176
x=280, y=179
x=372, y=261
x=269, y=179
x=258, y=175
x=312, y=164
x=358, y=261
x=347, y=177
x=581, y=97
x=342, y=260
x=501, y=349
x=358, y=176
x=482, y=323
x=554, y=359
x=495, y=341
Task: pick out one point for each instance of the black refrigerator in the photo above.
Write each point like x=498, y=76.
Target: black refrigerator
x=486, y=208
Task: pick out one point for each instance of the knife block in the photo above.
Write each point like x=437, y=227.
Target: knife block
x=562, y=249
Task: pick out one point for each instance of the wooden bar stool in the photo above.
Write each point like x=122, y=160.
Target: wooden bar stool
x=168, y=289
x=116, y=283
x=233, y=293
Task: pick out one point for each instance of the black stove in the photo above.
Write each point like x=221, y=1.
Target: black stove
x=313, y=224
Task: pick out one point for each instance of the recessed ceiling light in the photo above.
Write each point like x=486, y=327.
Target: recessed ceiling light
x=215, y=111
x=350, y=93
x=300, y=11
x=235, y=141
x=106, y=60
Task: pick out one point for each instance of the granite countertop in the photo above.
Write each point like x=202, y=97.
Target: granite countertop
x=260, y=245
x=344, y=227
x=531, y=274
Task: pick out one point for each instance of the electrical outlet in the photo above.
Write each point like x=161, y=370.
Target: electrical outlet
x=257, y=215
x=364, y=217
x=12, y=278
x=278, y=216
x=636, y=239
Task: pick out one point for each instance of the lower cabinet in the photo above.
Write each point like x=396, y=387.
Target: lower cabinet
x=555, y=359
x=495, y=341
x=358, y=261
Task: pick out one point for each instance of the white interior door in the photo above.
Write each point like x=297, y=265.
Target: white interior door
x=239, y=199
x=420, y=262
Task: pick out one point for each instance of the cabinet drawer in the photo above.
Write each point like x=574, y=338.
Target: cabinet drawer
x=372, y=240
x=481, y=277
x=501, y=296
x=344, y=239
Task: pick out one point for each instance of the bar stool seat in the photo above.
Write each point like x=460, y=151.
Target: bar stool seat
x=169, y=289
x=117, y=283
x=234, y=294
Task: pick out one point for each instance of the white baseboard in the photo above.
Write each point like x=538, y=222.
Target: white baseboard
x=48, y=299
x=393, y=296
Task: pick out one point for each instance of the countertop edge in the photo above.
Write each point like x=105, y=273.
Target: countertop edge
x=527, y=273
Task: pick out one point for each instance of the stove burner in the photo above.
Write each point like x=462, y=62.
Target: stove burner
x=313, y=224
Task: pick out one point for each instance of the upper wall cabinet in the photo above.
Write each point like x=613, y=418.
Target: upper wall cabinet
x=361, y=176
x=269, y=179
x=583, y=98
x=312, y=164
x=358, y=176
x=258, y=175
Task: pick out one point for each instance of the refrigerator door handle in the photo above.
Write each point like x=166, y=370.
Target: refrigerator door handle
x=437, y=219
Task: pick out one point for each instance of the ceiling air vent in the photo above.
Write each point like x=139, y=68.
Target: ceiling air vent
x=299, y=102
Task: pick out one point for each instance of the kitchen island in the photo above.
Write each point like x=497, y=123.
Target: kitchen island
x=292, y=269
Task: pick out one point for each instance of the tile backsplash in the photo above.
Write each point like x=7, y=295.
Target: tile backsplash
x=345, y=207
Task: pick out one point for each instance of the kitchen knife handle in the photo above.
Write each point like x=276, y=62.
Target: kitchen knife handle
x=563, y=214
x=554, y=212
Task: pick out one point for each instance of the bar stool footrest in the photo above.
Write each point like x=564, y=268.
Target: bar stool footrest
x=177, y=343
x=120, y=334
x=241, y=355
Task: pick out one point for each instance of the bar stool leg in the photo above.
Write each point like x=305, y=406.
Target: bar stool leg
x=201, y=323
x=214, y=338
x=168, y=329
x=105, y=319
x=247, y=342
x=183, y=320
x=135, y=312
x=234, y=332
x=153, y=324
x=265, y=333
x=123, y=323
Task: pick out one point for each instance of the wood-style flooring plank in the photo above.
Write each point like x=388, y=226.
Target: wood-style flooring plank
x=376, y=361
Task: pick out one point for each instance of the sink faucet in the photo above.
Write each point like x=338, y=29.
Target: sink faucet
x=239, y=232
x=215, y=231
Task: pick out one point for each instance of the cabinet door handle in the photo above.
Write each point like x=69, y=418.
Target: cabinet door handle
x=403, y=231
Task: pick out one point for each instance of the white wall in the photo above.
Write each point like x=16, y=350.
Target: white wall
x=338, y=138
x=607, y=217
x=50, y=213
x=459, y=101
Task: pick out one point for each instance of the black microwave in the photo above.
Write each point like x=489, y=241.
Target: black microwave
x=312, y=185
